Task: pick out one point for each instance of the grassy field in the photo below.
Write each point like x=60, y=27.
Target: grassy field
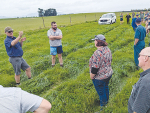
x=70, y=89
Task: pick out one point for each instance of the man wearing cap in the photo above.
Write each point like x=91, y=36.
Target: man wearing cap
x=55, y=35
x=140, y=95
x=15, y=53
x=133, y=22
x=139, y=42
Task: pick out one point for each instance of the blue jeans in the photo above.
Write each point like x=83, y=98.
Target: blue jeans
x=102, y=89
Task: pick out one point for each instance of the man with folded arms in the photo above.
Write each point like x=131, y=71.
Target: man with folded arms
x=15, y=53
x=55, y=35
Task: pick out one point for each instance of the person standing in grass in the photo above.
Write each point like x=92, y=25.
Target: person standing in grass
x=133, y=14
x=140, y=95
x=100, y=68
x=128, y=18
x=55, y=35
x=141, y=16
x=133, y=22
x=15, y=100
x=121, y=18
x=139, y=42
x=15, y=53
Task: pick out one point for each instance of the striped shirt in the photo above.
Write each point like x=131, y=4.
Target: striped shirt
x=56, y=42
x=139, y=100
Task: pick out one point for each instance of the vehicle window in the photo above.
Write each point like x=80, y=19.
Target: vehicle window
x=106, y=16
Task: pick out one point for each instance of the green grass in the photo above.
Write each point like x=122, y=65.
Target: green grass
x=70, y=89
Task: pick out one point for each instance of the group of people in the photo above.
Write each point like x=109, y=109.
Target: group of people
x=145, y=18
x=100, y=72
x=127, y=17
x=14, y=99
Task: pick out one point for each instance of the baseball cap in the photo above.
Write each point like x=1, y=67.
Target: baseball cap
x=138, y=20
x=137, y=14
x=99, y=37
x=8, y=29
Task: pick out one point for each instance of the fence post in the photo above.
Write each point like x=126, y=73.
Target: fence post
x=43, y=21
x=85, y=18
x=70, y=19
x=95, y=17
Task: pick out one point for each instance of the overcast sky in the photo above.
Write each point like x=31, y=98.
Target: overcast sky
x=19, y=8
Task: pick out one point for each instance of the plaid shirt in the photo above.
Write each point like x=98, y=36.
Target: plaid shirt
x=101, y=59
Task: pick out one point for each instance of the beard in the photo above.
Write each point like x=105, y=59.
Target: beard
x=55, y=28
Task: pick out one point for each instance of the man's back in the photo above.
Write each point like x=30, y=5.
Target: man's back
x=133, y=23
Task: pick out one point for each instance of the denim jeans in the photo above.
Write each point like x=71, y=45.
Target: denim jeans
x=102, y=89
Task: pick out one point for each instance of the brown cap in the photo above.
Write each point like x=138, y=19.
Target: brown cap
x=8, y=29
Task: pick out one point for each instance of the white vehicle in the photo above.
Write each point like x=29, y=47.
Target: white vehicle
x=108, y=18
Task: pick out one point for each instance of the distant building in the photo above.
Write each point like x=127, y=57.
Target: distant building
x=48, y=12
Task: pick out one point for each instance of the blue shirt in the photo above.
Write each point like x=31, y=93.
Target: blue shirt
x=140, y=34
x=133, y=23
x=13, y=51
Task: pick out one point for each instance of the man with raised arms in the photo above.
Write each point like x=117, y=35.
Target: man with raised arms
x=15, y=53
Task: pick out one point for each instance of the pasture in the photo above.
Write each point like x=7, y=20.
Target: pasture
x=69, y=88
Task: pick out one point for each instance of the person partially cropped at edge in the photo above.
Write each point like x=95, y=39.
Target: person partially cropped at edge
x=15, y=53
x=139, y=43
x=55, y=35
x=100, y=68
x=15, y=100
x=139, y=101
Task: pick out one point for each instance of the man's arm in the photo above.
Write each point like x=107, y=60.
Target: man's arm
x=136, y=41
x=22, y=40
x=14, y=42
x=55, y=37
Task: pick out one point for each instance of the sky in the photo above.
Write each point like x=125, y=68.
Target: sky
x=23, y=8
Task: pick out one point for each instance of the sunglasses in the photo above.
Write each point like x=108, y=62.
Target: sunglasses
x=10, y=31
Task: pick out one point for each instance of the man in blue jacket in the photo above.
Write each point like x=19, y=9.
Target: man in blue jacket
x=15, y=53
x=133, y=22
x=139, y=43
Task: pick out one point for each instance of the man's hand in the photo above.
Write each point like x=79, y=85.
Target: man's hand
x=20, y=33
x=23, y=39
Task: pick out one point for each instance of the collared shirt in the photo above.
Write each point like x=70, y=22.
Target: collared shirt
x=133, y=23
x=101, y=59
x=56, y=42
x=139, y=100
x=13, y=51
x=140, y=34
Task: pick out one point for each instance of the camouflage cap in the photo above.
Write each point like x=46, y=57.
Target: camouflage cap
x=8, y=29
